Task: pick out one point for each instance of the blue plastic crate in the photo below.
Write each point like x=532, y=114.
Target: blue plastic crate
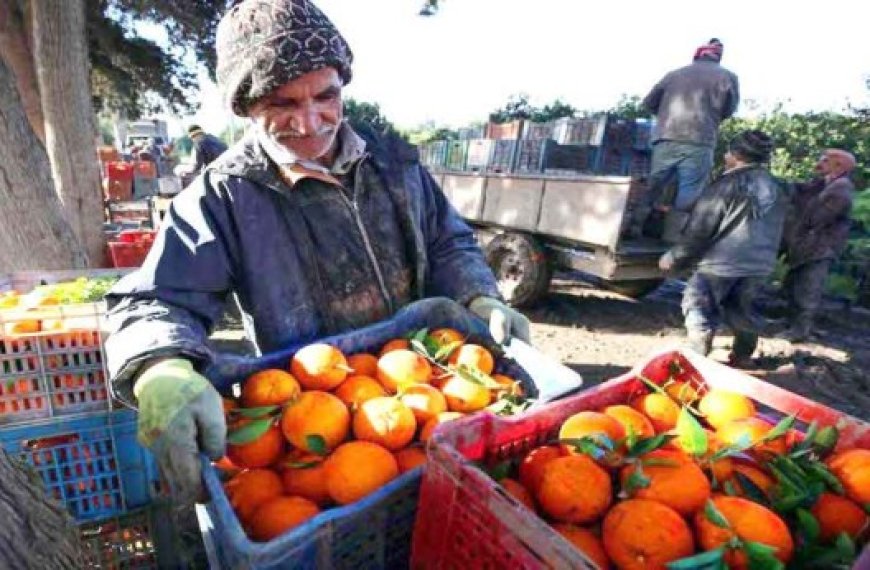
x=93, y=464
x=144, y=539
x=374, y=532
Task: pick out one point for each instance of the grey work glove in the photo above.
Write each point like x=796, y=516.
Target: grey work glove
x=180, y=416
x=504, y=322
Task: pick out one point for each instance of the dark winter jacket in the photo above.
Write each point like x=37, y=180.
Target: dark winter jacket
x=690, y=102
x=736, y=225
x=818, y=227
x=206, y=150
x=304, y=261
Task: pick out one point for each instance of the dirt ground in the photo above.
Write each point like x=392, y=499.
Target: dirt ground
x=601, y=335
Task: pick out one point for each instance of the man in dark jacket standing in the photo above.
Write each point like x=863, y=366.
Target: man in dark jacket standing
x=206, y=148
x=689, y=103
x=313, y=229
x=816, y=234
x=733, y=237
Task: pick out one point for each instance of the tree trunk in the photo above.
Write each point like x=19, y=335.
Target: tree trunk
x=15, y=49
x=34, y=233
x=37, y=532
x=61, y=56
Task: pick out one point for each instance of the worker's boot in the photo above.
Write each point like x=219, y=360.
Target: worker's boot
x=801, y=328
x=700, y=341
x=742, y=349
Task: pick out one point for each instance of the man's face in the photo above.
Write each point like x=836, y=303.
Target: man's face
x=304, y=114
x=826, y=165
x=730, y=160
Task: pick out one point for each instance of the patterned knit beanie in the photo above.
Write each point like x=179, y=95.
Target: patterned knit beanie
x=263, y=44
x=752, y=146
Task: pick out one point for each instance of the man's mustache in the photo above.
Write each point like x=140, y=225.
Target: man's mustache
x=291, y=134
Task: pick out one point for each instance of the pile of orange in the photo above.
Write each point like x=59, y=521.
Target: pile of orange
x=636, y=486
x=334, y=428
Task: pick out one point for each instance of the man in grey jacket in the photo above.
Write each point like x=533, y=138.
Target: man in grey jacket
x=313, y=227
x=689, y=104
x=733, y=238
x=816, y=234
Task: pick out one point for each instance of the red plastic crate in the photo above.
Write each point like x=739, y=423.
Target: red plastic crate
x=54, y=372
x=467, y=520
x=124, y=254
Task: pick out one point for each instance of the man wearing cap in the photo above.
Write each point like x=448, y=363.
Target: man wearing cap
x=816, y=234
x=689, y=104
x=733, y=239
x=206, y=148
x=313, y=227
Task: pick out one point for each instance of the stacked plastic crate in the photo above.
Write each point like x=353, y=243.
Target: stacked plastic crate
x=56, y=414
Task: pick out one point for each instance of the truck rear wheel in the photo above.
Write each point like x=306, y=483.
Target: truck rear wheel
x=634, y=288
x=521, y=268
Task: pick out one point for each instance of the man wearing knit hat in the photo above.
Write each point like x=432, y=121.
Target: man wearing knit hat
x=689, y=103
x=732, y=239
x=816, y=234
x=314, y=228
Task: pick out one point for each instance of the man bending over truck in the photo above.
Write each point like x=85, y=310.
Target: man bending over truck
x=315, y=228
x=733, y=239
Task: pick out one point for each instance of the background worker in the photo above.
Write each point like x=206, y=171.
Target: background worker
x=816, y=234
x=733, y=239
x=689, y=103
x=314, y=229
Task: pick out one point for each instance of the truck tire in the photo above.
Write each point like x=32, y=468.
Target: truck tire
x=521, y=268
x=634, y=288
x=38, y=531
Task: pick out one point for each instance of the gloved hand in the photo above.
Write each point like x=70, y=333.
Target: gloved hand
x=504, y=322
x=666, y=262
x=180, y=415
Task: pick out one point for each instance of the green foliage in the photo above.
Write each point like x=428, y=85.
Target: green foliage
x=629, y=107
x=518, y=107
x=369, y=114
x=801, y=138
x=127, y=70
x=82, y=290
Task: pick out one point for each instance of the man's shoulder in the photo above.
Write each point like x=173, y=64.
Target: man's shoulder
x=842, y=185
x=388, y=147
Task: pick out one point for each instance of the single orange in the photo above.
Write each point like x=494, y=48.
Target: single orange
x=720, y=407
x=464, y=395
x=640, y=534
x=410, y=458
x=249, y=489
x=837, y=514
x=270, y=387
x=509, y=387
x=631, y=420
x=574, y=489
x=319, y=367
x=474, y=356
x=363, y=364
x=358, y=389
x=401, y=368
x=673, y=480
x=532, y=465
x=277, y=516
x=852, y=468
x=520, y=493
x=586, y=542
x=395, y=344
x=303, y=475
x=357, y=469
x=753, y=430
x=316, y=419
x=445, y=336
x=593, y=425
x=386, y=421
x=261, y=452
x=425, y=401
x=747, y=520
x=659, y=408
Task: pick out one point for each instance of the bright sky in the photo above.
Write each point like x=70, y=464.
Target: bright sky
x=456, y=67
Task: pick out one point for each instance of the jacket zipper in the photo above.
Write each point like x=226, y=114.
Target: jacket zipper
x=354, y=206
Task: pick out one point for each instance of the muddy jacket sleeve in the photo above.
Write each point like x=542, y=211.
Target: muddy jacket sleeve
x=169, y=306
x=457, y=268
x=702, y=228
x=652, y=101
